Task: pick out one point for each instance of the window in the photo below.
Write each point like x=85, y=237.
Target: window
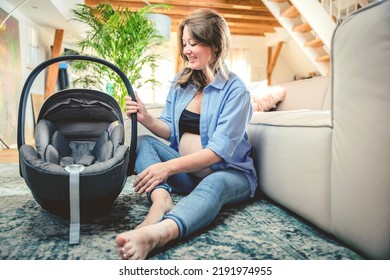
x=32, y=47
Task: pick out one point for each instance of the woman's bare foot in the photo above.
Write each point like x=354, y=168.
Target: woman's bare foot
x=137, y=244
x=162, y=203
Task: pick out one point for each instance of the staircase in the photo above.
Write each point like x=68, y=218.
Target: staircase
x=310, y=23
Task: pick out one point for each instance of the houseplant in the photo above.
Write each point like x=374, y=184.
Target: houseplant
x=123, y=37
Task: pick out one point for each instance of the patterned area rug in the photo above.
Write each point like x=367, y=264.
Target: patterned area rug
x=256, y=230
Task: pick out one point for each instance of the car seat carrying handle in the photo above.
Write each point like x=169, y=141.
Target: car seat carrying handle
x=29, y=82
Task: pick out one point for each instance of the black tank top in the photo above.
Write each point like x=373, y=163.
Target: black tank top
x=189, y=122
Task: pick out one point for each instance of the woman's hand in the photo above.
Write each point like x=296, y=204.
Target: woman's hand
x=136, y=106
x=153, y=124
x=151, y=177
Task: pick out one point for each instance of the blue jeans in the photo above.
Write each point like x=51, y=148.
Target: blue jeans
x=204, y=197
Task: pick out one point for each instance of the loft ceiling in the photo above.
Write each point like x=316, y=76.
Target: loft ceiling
x=244, y=17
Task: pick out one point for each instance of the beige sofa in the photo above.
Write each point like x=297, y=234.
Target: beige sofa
x=325, y=152
x=292, y=150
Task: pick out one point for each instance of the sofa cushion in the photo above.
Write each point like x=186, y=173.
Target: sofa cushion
x=292, y=155
x=309, y=94
x=265, y=98
x=293, y=118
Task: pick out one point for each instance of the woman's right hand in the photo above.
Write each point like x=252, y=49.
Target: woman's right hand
x=136, y=106
x=153, y=124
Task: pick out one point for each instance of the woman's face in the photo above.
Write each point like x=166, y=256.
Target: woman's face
x=198, y=55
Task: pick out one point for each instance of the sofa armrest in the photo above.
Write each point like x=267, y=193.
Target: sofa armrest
x=308, y=94
x=292, y=157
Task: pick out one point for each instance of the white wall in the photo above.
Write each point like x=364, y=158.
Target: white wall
x=291, y=64
x=44, y=39
x=283, y=71
x=257, y=55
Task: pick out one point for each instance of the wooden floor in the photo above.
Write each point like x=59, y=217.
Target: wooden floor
x=9, y=155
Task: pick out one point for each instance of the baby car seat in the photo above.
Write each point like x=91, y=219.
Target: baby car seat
x=79, y=164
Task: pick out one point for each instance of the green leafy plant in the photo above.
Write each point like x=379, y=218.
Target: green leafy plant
x=123, y=37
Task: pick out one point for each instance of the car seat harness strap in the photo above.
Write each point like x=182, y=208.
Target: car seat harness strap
x=74, y=201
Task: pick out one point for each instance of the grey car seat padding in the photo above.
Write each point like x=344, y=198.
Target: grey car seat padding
x=53, y=147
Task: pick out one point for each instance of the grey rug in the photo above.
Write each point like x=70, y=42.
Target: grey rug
x=256, y=230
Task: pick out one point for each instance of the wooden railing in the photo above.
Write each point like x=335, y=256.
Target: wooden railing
x=341, y=8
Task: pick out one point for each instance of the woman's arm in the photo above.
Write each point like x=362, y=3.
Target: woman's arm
x=158, y=173
x=154, y=125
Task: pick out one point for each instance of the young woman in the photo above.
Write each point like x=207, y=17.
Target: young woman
x=205, y=118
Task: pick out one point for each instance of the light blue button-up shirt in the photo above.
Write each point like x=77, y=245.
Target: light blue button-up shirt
x=225, y=113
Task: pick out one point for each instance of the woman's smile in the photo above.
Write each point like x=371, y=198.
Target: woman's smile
x=198, y=55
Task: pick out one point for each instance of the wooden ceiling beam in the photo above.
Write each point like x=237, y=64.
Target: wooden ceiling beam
x=238, y=25
x=254, y=5
x=237, y=22
x=239, y=30
x=244, y=17
x=215, y=4
x=186, y=9
x=52, y=70
x=248, y=32
x=273, y=60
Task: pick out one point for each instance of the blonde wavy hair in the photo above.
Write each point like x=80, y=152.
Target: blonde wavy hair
x=208, y=28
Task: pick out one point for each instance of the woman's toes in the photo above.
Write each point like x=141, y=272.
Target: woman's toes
x=120, y=241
